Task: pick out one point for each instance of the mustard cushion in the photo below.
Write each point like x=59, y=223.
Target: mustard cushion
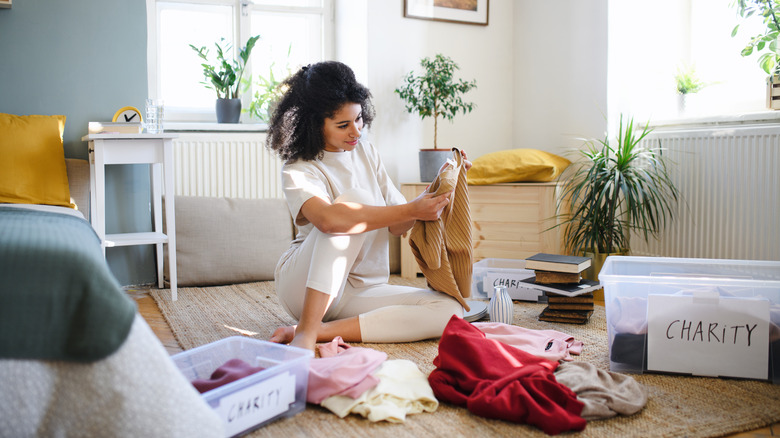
x=516, y=165
x=32, y=169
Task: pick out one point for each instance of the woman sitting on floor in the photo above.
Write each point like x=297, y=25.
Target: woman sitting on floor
x=333, y=279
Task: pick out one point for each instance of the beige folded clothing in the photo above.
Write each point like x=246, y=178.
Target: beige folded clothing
x=402, y=390
x=604, y=393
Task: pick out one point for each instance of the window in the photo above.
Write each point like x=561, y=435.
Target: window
x=650, y=40
x=292, y=33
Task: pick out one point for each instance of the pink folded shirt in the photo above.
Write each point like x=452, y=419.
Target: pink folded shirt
x=342, y=370
x=549, y=344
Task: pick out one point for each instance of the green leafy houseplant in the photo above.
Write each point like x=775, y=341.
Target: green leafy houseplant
x=435, y=93
x=224, y=75
x=268, y=91
x=766, y=42
x=615, y=188
x=687, y=81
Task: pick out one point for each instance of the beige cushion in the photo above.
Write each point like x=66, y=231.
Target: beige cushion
x=229, y=240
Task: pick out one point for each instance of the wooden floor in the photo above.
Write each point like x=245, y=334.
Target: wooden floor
x=147, y=307
x=151, y=313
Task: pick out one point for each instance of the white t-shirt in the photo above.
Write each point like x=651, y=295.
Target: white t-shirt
x=328, y=178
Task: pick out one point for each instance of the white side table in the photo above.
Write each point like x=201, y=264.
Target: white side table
x=153, y=149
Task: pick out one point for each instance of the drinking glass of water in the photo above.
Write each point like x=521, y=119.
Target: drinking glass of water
x=154, y=116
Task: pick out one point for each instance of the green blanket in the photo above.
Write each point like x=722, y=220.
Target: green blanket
x=58, y=299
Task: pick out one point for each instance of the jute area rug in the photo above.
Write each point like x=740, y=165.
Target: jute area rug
x=678, y=406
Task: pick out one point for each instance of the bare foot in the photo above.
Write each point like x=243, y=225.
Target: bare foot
x=283, y=335
x=302, y=341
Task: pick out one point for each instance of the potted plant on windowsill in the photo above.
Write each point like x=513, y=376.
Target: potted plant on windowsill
x=765, y=43
x=616, y=187
x=224, y=77
x=435, y=93
x=687, y=83
x=267, y=92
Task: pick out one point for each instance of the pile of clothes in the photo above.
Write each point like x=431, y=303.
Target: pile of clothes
x=494, y=370
x=500, y=371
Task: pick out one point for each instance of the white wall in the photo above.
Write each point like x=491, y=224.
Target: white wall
x=540, y=67
x=395, y=47
x=560, y=71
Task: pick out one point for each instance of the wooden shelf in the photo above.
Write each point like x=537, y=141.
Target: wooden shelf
x=5, y=3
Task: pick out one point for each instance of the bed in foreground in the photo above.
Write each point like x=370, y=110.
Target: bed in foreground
x=76, y=358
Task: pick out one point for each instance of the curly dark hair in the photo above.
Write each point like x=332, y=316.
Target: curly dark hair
x=314, y=93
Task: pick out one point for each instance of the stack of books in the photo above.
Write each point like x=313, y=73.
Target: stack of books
x=569, y=296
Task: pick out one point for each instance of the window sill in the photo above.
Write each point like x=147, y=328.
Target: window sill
x=754, y=118
x=214, y=127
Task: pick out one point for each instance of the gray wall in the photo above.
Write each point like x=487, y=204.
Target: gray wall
x=84, y=59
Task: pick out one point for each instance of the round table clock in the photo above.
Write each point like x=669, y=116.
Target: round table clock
x=128, y=114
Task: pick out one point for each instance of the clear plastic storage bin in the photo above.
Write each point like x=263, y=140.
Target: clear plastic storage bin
x=253, y=401
x=486, y=271
x=655, y=306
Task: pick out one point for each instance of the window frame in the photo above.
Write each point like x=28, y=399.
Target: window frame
x=242, y=9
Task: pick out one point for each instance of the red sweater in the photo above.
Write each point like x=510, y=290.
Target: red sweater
x=495, y=380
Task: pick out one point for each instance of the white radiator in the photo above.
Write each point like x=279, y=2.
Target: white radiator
x=233, y=165
x=729, y=178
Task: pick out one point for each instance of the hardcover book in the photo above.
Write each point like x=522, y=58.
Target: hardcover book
x=571, y=317
x=114, y=128
x=545, y=277
x=568, y=289
x=557, y=263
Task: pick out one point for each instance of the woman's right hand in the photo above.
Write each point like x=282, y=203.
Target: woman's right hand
x=428, y=207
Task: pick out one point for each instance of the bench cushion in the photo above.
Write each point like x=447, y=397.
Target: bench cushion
x=229, y=240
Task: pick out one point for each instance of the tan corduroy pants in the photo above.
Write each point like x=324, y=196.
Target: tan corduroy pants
x=442, y=247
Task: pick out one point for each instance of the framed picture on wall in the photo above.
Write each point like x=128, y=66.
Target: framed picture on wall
x=455, y=11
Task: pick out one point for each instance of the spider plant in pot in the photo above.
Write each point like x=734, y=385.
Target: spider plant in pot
x=435, y=93
x=224, y=76
x=615, y=188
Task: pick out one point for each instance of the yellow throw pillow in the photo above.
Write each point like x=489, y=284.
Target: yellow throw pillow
x=32, y=168
x=516, y=165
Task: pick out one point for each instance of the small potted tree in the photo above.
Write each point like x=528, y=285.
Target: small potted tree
x=435, y=93
x=765, y=43
x=616, y=187
x=224, y=77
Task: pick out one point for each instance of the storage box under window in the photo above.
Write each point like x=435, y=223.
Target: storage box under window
x=708, y=317
x=278, y=391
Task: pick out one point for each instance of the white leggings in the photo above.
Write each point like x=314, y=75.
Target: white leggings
x=386, y=313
